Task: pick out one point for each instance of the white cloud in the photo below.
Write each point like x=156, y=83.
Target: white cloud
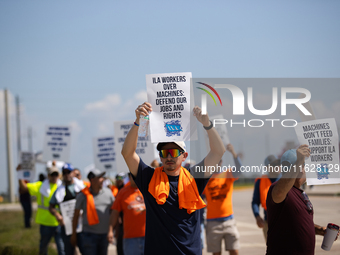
x=141, y=96
x=104, y=128
x=107, y=104
x=100, y=115
x=75, y=127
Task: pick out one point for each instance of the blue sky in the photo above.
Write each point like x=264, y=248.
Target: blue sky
x=83, y=63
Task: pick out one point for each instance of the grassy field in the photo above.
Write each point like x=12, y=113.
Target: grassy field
x=15, y=239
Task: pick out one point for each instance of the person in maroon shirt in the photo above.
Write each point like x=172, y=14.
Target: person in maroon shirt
x=291, y=229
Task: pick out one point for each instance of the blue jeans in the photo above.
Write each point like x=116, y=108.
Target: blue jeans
x=46, y=233
x=26, y=204
x=68, y=247
x=94, y=244
x=202, y=235
x=134, y=246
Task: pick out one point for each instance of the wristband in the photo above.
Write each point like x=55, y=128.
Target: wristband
x=209, y=127
x=136, y=124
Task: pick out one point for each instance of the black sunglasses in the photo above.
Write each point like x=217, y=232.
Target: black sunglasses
x=307, y=201
x=55, y=174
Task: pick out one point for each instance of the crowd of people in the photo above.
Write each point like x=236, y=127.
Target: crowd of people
x=160, y=208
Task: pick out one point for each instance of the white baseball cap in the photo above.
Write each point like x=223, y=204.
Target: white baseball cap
x=180, y=144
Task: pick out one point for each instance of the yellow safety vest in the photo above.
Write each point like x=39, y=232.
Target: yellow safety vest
x=44, y=217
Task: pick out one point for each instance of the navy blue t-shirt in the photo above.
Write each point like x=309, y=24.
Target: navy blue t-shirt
x=169, y=230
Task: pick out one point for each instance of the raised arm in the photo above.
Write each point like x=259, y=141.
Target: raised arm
x=237, y=161
x=130, y=144
x=217, y=148
x=287, y=181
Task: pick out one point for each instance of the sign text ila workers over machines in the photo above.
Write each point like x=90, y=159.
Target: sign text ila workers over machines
x=171, y=118
x=57, y=143
x=322, y=167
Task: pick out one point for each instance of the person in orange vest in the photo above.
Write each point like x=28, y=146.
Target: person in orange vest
x=95, y=201
x=130, y=201
x=261, y=188
x=119, y=232
x=172, y=194
x=220, y=216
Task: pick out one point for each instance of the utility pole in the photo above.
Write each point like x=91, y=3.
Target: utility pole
x=9, y=156
x=18, y=126
x=29, y=137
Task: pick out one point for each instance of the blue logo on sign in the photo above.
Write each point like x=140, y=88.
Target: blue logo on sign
x=322, y=171
x=173, y=127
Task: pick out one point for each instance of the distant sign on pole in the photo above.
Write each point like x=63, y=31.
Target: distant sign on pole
x=27, y=164
x=145, y=149
x=104, y=153
x=57, y=143
x=322, y=167
x=171, y=118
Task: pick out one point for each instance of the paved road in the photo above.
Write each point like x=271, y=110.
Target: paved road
x=327, y=209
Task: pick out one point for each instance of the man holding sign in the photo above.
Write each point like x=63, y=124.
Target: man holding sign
x=171, y=194
x=65, y=198
x=48, y=224
x=291, y=229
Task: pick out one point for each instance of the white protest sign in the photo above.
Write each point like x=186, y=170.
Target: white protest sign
x=27, y=164
x=104, y=153
x=322, y=167
x=145, y=149
x=57, y=143
x=171, y=118
x=67, y=211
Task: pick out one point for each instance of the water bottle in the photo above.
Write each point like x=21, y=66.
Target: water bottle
x=143, y=126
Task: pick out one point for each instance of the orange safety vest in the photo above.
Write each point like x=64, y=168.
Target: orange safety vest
x=114, y=190
x=264, y=188
x=188, y=196
x=92, y=216
x=87, y=184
